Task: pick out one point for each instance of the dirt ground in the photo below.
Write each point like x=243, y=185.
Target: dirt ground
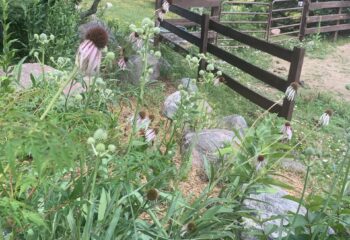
x=331, y=73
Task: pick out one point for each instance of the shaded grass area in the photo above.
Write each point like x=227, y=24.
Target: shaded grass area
x=126, y=12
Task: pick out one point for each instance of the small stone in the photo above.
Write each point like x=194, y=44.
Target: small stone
x=171, y=105
x=233, y=122
x=189, y=85
x=134, y=64
x=205, y=145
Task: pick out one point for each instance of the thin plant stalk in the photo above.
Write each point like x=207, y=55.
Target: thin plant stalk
x=141, y=96
x=300, y=201
x=59, y=91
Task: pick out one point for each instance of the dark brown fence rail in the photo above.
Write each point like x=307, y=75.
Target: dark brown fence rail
x=328, y=22
x=295, y=57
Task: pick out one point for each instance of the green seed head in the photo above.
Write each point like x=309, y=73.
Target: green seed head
x=100, y=147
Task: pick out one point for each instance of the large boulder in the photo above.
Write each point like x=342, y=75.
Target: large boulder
x=135, y=68
x=32, y=69
x=171, y=105
x=205, y=144
x=291, y=165
x=269, y=205
x=38, y=71
x=233, y=123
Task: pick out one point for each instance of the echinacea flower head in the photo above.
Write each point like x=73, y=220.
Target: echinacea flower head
x=135, y=39
x=286, y=130
x=165, y=6
x=260, y=162
x=160, y=14
x=150, y=135
x=152, y=194
x=122, y=63
x=325, y=117
x=142, y=121
x=89, y=54
x=291, y=91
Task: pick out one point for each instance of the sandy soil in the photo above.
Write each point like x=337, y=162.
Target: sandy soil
x=329, y=74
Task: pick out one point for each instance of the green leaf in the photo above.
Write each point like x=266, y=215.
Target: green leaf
x=275, y=182
x=113, y=224
x=103, y=205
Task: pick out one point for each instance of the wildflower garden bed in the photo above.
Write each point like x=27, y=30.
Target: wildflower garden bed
x=85, y=154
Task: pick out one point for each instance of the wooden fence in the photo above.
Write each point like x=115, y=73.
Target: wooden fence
x=295, y=57
x=325, y=22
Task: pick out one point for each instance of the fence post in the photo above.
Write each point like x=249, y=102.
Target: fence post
x=293, y=76
x=158, y=5
x=335, y=36
x=303, y=24
x=204, y=39
x=216, y=12
x=269, y=21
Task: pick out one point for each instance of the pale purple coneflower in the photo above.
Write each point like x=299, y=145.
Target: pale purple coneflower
x=89, y=54
x=150, y=135
x=135, y=39
x=142, y=121
x=160, y=14
x=325, y=117
x=261, y=162
x=218, y=81
x=291, y=91
x=287, y=131
x=166, y=6
x=122, y=63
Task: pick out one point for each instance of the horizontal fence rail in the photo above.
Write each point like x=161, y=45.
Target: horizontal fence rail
x=295, y=58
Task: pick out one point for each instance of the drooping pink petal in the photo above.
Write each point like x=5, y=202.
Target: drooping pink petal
x=91, y=60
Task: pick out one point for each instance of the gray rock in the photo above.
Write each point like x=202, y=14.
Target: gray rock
x=37, y=71
x=135, y=67
x=267, y=205
x=205, y=144
x=171, y=105
x=233, y=122
x=34, y=69
x=293, y=166
x=189, y=85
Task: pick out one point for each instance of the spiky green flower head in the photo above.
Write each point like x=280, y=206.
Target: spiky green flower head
x=100, y=134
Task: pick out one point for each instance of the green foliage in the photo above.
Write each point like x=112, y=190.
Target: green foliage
x=78, y=173
x=27, y=18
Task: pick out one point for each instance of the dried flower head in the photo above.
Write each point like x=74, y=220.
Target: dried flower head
x=152, y=194
x=261, y=158
x=291, y=91
x=286, y=130
x=142, y=114
x=325, y=117
x=151, y=117
x=191, y=227
x=89, y=55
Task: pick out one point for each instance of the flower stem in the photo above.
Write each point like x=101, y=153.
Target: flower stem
x=59, y=91
x=301, y=199
x=142, y=90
